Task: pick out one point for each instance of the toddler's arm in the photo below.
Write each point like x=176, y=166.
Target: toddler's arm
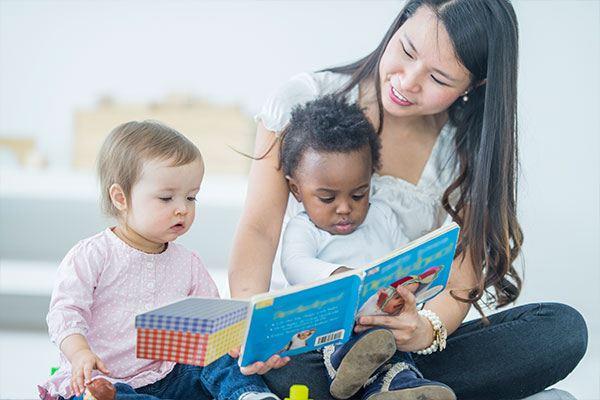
x=299, y=251
x=83, y=362
x=69, y=313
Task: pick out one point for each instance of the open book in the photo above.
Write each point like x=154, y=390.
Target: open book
x=303, y=317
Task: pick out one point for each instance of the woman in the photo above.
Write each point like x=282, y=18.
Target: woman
x=441, y=90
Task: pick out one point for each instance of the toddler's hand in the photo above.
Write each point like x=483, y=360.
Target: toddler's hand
x=82, y=364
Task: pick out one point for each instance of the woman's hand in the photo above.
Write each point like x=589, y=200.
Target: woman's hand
x=260, y=367
x=83, y=363
x=412, y=332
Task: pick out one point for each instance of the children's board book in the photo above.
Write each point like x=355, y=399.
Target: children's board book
x=299, y=318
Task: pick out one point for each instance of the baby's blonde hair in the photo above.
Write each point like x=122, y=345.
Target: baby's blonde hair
x=129, y=146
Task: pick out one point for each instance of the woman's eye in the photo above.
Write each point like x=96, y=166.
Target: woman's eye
x=192, y=198
x=165, y=199
x=406, y=52
x=438, y=81
x=327, y=199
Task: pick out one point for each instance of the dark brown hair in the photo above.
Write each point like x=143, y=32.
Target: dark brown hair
x=485, y=38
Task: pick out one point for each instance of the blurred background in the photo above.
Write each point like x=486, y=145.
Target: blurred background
x=72, y=70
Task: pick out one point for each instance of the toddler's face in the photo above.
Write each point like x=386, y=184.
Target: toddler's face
x=334, y=189
x=163, y=201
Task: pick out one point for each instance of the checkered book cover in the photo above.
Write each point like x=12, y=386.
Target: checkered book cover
x=195, y=315
x=186, y=347
x=193, y=331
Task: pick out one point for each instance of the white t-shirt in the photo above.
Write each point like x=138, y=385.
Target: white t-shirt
x=309, y=253
x=418, y=206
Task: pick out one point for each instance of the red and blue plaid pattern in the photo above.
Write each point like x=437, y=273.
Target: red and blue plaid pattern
x=182, y=347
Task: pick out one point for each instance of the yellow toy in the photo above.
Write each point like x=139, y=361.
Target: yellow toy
x=298, y=392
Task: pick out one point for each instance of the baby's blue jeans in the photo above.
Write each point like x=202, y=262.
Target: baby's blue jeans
x=221, y=380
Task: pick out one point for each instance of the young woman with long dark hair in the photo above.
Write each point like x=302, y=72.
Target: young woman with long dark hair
x=441, y=90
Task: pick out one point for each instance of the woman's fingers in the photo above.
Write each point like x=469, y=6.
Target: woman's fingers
x=410, y=301
x=270, y=364
x=380, y=320
x=282, y=362
x=263, y=367
x=252, y=369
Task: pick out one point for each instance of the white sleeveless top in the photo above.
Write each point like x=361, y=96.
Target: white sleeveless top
x=418, y=206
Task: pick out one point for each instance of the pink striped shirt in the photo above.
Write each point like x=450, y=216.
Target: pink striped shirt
x=102, y=284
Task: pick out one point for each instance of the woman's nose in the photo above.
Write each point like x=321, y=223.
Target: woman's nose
x=410, y=80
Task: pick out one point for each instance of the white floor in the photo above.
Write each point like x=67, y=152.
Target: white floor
x=26, y=357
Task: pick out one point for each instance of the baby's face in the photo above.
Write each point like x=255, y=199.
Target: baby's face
x=163, y=200
x=334, y=189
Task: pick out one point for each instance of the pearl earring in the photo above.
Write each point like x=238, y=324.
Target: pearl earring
x=465, y=96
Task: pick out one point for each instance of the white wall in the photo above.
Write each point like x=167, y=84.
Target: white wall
x=56, y=56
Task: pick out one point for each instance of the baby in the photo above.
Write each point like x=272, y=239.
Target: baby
x=150, y=175
x=329, y=150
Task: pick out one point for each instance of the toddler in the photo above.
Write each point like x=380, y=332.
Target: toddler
x=329, y=151
x=150, y=175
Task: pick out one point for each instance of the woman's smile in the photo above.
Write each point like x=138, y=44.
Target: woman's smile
x=398, y=98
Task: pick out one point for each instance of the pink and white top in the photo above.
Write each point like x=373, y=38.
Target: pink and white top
x=102, y=284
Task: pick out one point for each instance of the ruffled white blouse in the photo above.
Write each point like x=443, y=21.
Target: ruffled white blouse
x=418, y=206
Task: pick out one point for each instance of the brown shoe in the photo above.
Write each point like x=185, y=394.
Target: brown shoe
x=358, y=359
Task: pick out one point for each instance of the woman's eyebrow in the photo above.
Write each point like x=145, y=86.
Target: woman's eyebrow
x=413, y=48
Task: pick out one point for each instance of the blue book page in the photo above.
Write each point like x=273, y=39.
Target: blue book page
x=423, y=268
x=300, y=321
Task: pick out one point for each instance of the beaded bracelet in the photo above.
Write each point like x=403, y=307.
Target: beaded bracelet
x=440, y=334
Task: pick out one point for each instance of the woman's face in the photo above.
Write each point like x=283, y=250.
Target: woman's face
x=420, y=74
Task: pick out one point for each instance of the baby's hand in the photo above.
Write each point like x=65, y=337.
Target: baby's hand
x=82, y=364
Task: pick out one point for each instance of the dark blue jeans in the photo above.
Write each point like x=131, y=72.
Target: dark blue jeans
x=220, y=380
x=521, y=352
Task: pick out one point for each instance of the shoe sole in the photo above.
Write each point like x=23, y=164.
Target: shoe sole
x=374, y=350
x=419, y=393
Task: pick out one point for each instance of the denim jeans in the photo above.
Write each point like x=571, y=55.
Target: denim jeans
x=522, y=351
x=221, y=380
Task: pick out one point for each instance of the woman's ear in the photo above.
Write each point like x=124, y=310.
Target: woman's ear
x=294, y=187
x=117, y=197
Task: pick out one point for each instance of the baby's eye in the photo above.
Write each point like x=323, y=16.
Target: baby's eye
x=327, y=199
x=357, y=197
x=192, y=198
x=165, y=199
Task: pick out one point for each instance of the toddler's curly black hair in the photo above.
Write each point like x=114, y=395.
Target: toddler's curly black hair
x=328, y=124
